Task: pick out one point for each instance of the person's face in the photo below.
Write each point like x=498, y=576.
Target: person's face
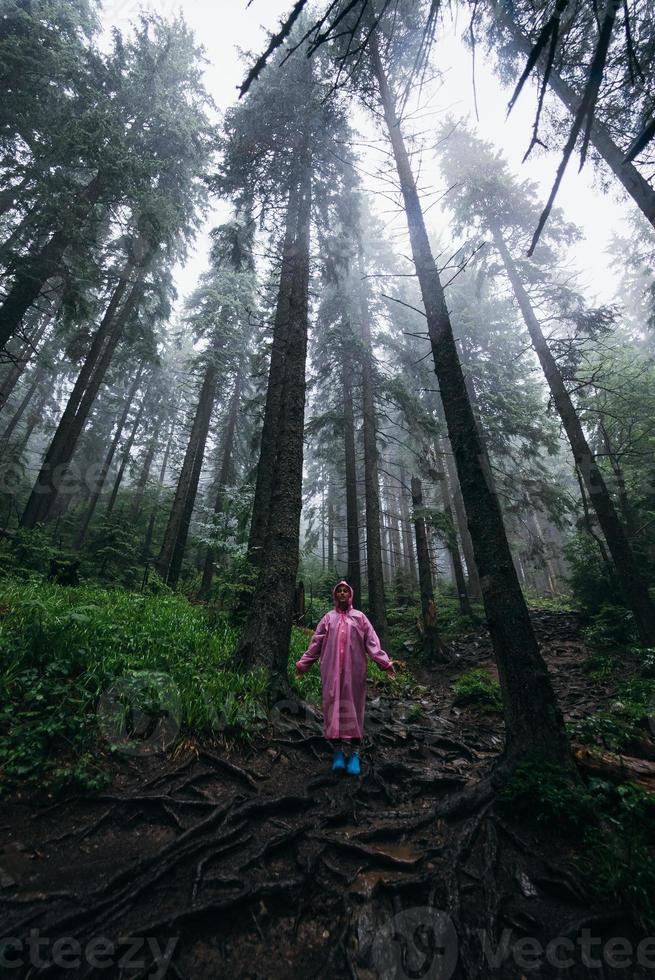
x=342, y=594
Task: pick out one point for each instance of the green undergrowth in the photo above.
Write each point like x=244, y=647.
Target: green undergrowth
x=477, y=689
x=451, y=623
x=612, y=827
x=85, y=664
x=556, y=603
x=624, y=719
x=542, y=792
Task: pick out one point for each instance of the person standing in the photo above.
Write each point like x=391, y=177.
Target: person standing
x=343, y=640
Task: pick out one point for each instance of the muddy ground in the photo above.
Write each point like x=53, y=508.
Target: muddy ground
x=260, y=863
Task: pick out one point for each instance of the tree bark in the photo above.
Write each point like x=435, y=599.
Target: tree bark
x=408, y=545
x=266, y=637
x=353, y=573
x=270, y=429
x=36, y=269
x=636, y=186
x=38, y=378
x=374, y=569
x=432, y=646
x=169, y=562
x=453, y=492
x=23, y=358
x=102, y=476
x=633, y=586
x=455, y=557
x=533, y=720
x=330, y=522
x=55, y=465
x=224, y=479
x=162, y=475
x=127, y=449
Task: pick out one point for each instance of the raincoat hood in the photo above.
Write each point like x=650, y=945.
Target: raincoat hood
x=334, y=594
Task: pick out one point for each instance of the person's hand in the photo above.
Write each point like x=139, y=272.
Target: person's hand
x=298, y=674
x=391, y=672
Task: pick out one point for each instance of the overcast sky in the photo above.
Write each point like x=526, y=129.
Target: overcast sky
x=223, y=26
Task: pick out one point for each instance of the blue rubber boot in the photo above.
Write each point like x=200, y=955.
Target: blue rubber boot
x=353, y=765
x=338, y=762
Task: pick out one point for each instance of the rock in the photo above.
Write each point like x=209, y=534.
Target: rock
x=6, y=880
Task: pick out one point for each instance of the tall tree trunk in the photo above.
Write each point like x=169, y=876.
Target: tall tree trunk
x=270, y=429
x=432, y=646
x=408, y=545
x=23, y=358
x=127, y=449
x=266, y=637
x=330, y=522
x=35, y=270
x=160, y=483
x=57, y=459
x=109, y=458
x=634, y=588
x=224, y=478
x=354, y=572
x=375, y=576
x=455, y=557
x=144, y=476
x=533, y=720
x=453, y=492
x=551, y=570
x=169, y=562
x=637, y=187
x=37, y=381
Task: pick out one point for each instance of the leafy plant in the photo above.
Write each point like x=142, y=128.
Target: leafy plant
x=477, y=688
x=619, y=852
x=600, y=666
x=610, y=628
x=543, y=792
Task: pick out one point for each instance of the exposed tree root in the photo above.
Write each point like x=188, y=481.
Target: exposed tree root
x=301, y=860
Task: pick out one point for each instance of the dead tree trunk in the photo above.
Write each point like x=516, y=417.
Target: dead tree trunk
x=636, y=186
x=533, y=720
x=633, y=586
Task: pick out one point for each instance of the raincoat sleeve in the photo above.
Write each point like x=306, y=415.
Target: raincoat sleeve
x=313, y=651
x=373, y=648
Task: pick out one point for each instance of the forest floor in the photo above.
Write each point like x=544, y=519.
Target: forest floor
x=259, y=862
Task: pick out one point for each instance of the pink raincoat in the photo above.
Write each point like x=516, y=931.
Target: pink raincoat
x=343, y=640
